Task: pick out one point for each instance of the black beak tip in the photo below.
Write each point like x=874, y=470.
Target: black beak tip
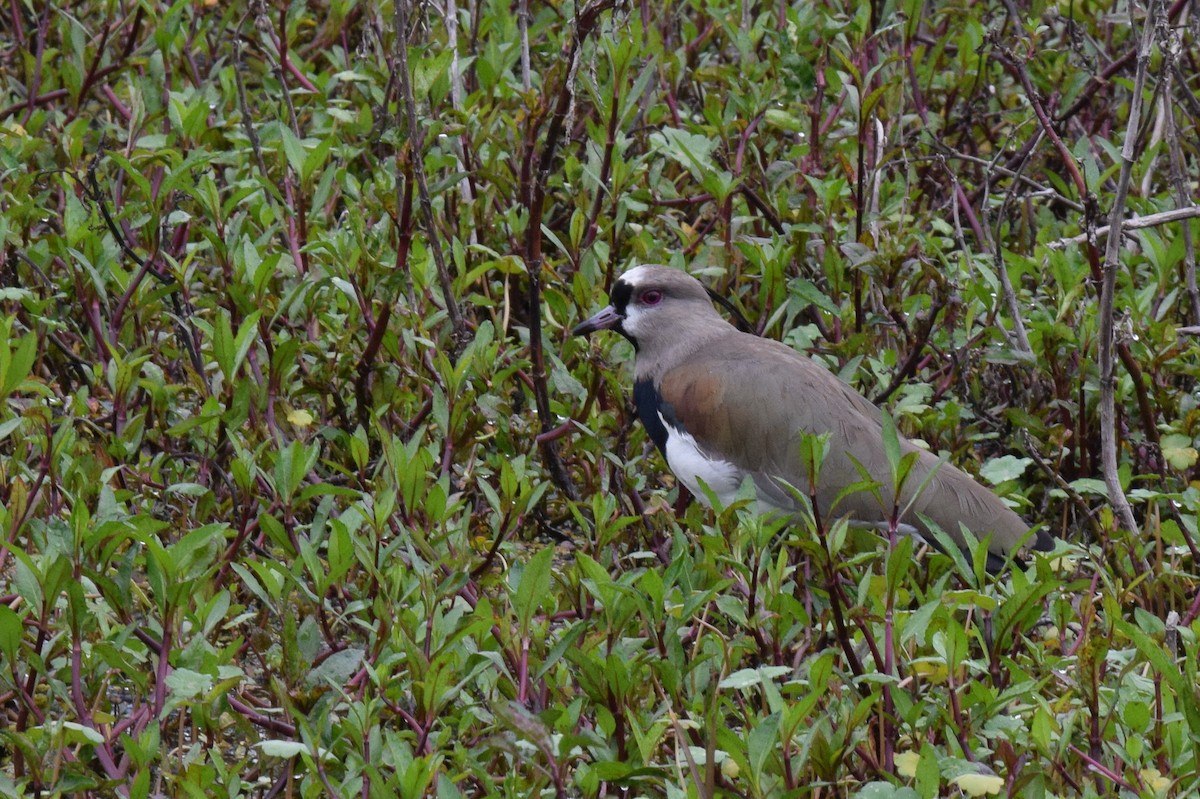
x=605, y=320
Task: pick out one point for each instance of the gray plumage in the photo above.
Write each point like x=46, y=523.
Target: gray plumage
x=722, y=404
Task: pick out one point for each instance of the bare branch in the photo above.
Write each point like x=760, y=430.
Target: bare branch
x=993, y=241
x=535, y=173
x=1137, y=223
x=1112, y=262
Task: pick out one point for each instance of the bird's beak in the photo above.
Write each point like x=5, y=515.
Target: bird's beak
x=605, y=320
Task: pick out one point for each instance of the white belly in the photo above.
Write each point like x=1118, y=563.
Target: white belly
x=691, y=466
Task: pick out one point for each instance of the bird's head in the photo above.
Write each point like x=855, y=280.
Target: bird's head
x=653, y=307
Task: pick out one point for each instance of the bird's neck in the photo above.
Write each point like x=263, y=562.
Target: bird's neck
x=654, y=359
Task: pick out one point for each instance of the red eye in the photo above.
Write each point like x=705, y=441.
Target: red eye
x=652, y=297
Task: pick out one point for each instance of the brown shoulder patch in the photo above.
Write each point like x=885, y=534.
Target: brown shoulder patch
x=695, y=395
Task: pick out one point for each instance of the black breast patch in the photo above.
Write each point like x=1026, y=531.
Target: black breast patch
x=652, y=409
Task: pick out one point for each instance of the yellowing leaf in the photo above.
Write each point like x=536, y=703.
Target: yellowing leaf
x=730, y=769
x=300, y=418
x=979, y=784
x=1062, y=562
x=906, y=764
x=932, y=670
x=1155, y=781
x=1179, y=452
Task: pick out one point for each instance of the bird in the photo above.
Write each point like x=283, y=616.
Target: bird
x=722, y=405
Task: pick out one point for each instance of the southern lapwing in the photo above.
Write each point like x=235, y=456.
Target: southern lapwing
x=722, y=405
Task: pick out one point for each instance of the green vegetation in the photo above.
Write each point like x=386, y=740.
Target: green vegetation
x=305, y=489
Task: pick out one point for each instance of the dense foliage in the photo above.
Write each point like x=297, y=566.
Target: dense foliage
x=306, y=490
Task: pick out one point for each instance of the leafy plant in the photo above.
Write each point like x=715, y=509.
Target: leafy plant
x=306, y=488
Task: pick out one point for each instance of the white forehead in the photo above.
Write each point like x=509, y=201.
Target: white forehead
x=637, y=276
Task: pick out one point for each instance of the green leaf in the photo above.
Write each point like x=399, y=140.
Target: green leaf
x=1005, y=468
x=78, y=733
x=222, y=343
x=294, y=463
x=891, y=446
x=27, y=578
x=884, y=790
x=1090, y=485
x=928, y=773
x=1179, y=452
x=284, y=749
x=1185, y=691
x=337, y=669
x=814, y=449
x=10, y=633
x=293, y=149
x=427, y=73
x=1136, y=715
x=245, y=338
x=764, y=736
x=748, y=677
x=19, y=364
x=340, y=550
x=899, y=564
x=187, y=684
x=807, y=292
x=691, y=150
x=533, y=587
x=192, y=555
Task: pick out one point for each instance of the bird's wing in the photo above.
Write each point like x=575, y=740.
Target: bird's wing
x=748, y=401
x=749, y=405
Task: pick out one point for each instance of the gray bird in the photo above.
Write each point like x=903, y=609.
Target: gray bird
x=722, y=405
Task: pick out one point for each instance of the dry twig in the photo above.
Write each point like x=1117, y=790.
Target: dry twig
x=1108, y=286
